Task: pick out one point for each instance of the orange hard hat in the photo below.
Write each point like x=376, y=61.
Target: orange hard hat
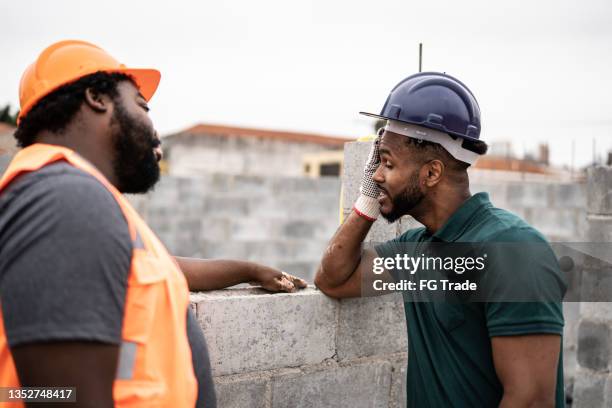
x=67, y=61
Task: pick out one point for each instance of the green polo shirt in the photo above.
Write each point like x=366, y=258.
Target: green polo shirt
x=450, y=362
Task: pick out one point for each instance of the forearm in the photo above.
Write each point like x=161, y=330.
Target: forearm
x=526, y=400
x=343, y=253
x=211, y=274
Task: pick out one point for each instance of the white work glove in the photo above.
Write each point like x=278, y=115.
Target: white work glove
x=367, y=204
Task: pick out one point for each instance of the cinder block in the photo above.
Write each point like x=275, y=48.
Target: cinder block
x=352, y=386
x=589, y=390
x=596, y=282
x=594, y=344
x=568, y=195
x=250, y=329
x=595, y=311
x=371, y=326
x=355, y=158
x=560, y=224
x=534, y=195
x=608, y=392
x=234, y=205
x=398, y=397
x=599, y=228
x=498, y=192
x=571, y=313
x=599, y=190
x=242, y=391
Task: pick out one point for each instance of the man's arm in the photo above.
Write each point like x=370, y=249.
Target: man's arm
x=90, y=367
x=212, y=274
x=344, y=264
x=527, y=368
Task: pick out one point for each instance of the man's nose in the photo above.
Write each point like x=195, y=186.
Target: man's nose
x=378, y=175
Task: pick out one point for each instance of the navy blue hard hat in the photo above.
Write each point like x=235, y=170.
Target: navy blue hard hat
x=436, y=101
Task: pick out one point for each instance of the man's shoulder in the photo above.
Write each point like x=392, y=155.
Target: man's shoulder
x=498, y=224
x=55, y=184
x=53, y=176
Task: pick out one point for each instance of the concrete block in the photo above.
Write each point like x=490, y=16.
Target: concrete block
x=398, y=397
x=559, y=224
x=325, y=185
x=355, y=157
x=571, y=313
x=589, y=390
x=567, y=195
x=371, y=326
x=249, y=329
x=498, y=192
x=226, y=204
x=599, y=190
x=608, y=392
x=534, y=195
x=595, y=311
x=351, y=386
x=216, y=228
x=594, y=344
x=241, y=391
x=596, y=282
x=599, y=228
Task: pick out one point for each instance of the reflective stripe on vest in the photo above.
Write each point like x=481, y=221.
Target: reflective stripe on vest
x=155, y=367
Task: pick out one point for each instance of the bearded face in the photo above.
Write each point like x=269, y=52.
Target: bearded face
x=404, y=201
x=136, y=162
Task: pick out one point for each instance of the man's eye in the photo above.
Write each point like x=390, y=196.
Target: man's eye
x=145, y=107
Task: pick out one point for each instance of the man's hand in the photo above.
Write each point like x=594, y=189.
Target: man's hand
x=276, y=281
x=212, y=274
x=367, y=205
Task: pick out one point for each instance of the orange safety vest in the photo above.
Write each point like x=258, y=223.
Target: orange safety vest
x=155, y=367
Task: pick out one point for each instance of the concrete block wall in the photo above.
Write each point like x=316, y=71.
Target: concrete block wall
x=304, y=349
x=593, y=379
x=281, y=222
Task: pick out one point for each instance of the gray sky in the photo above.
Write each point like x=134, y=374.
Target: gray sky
x=540, y=69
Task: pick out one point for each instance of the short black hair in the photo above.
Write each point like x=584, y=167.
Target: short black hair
x=55, y=111
x=436, y=151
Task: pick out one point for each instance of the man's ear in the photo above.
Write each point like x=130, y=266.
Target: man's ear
x=433, y=172
x=97, y=101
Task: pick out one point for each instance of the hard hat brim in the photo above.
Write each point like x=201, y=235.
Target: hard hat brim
x=147, y=80
x=377, y=116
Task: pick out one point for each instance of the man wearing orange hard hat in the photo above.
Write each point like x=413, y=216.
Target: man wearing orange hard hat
x=90, y=297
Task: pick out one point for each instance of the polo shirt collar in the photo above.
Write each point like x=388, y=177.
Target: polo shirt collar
x=461, y=219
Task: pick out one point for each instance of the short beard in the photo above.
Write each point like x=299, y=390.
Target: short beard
x=135, y=164
x=406, y=201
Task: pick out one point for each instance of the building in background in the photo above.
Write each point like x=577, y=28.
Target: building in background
x=207, y=148
x=8, y=145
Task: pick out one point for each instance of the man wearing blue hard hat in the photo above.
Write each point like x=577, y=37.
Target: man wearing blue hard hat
x=499, y=345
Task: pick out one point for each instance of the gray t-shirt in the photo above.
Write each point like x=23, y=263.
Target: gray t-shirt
x=65, y=254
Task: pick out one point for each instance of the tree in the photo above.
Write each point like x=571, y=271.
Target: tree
x=7, y=117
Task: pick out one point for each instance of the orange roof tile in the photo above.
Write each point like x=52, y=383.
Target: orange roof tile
x=234, y=131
